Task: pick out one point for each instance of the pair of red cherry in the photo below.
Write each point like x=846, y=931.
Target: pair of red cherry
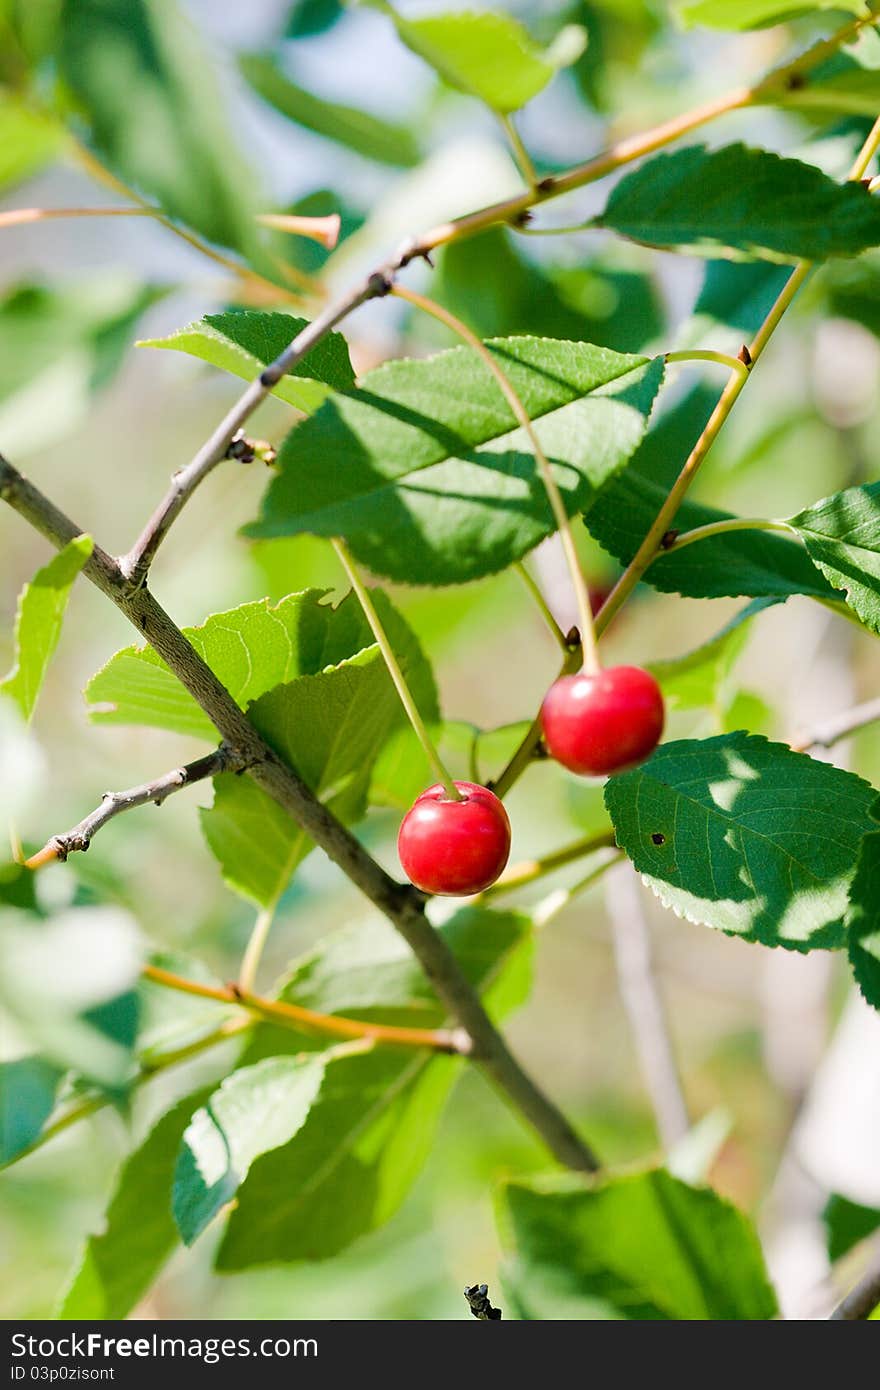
x=593, y=724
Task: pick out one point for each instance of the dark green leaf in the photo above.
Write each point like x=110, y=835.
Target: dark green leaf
x=41, y=608
x=28, y=1087
x=490, y=56
x=736, y=295
x=755, y=564
x=842, y=536
x=643, y=1247
x=357, y=130
x=847, y=1223
x=863, y=920
x=117, y=1267
x=745, y=835
x=736, y=199
x=308, y=17
x=425, y=473
x=156, y=113
x=244, y=341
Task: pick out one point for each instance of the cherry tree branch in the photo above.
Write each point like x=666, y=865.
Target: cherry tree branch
x=643, y=1003
x=223, y=759
x=400, y=903
x=861, y=1300
x=830, y=731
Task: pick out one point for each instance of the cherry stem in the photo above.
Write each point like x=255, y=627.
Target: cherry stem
x=253, y=952
x=530, y=870
x=733, y=364
x=557, y=506
x=394, y=671
x=541, y=602
x=521, y=154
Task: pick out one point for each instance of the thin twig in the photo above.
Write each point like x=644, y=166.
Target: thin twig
x=643, y=1003
x=135, y=565
x=307, y=1020
x=115, y=803
x=830, y=731
x=861, y=1300
x=400, y=903
x=477, y=1296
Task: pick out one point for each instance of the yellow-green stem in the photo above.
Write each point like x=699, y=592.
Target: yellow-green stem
x=394, y=671
x=723, y=528
x=653, y=541
x=530, y=870
x=253, y=952
x=733, y=364
x=521, y=154
x=557, y=506
x=541, y=604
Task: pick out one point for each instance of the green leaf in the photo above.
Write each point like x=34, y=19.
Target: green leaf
x=490, y=56
x=250, y=648
x=487, y=281
x=425, y=473
x=701, y=678
x=62, y=344
x=846, y=1224
x=117, y=1267
x=842, y=536
x=41, y=607
x=373, y=1123
x=736, y=199
x=754, y=14
x=244, y=341
x=29, y=140
x=157, y=115
x=330, y=728
x=308, y=17
x=754, y=564
x=368, y=971
x=357, y=130
x=643, y=1247
x=28, y=1087
x=746, y=836
x=256, y=1109
x=863, y=920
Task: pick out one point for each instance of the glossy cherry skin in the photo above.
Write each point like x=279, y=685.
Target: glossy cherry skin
x=454, y=848
x=596, y=724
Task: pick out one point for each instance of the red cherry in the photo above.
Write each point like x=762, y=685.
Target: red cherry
x=595, y=724
x=454, y=847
